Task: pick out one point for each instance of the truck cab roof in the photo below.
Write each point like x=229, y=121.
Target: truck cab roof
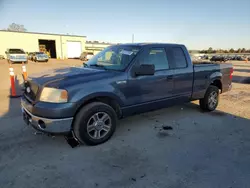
x=150, y=44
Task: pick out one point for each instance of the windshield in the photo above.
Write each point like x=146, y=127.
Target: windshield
x=16, y=51
x=40, y=54
x=114, y=57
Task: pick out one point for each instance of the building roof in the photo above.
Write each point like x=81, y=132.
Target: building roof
x=97, y=42
x=42, y=33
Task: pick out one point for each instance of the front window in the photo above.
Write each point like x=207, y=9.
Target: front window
x=114, y=57
x=41, y=54
x=16, y=51
x=157, y=57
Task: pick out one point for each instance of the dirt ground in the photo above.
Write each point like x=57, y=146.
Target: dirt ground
x=208, y=150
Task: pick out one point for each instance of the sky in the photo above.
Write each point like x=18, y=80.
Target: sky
x=196, y=23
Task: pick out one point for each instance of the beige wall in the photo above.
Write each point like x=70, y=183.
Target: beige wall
x=29, y=42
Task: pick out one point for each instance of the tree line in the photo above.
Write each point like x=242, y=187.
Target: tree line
x=213, y=51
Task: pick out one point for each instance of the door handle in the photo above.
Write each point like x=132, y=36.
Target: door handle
x=170, y=77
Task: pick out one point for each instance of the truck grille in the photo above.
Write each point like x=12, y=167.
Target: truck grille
x=31, y=90
x=20, y=57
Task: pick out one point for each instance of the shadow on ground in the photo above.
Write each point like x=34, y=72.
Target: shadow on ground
x=241, y=79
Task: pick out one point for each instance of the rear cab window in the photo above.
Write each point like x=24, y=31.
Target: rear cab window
x=179, y=58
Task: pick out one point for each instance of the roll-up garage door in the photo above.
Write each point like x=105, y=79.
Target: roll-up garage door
x=74, y=49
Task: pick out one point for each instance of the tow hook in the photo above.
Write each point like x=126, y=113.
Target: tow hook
x=71, y=139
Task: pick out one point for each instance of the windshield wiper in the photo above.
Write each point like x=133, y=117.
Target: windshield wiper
x=98, y=65
x=85, y=65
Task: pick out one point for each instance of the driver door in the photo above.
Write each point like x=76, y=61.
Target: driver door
x=148, y=92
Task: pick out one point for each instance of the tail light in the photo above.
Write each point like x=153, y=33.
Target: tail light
x=231, y=73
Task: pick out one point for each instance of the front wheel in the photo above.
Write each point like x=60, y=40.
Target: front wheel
x=211, y=99
x=95, y=123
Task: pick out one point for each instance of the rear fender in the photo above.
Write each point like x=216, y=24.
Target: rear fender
x=215, y=76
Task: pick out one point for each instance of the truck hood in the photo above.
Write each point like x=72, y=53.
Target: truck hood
x=61, y=78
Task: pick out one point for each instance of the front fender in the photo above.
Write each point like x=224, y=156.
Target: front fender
x=101, y=94
x=80, y=96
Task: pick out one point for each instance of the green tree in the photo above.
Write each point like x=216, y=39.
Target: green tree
x=231, y=50
x=16, y=27
x=210, y=50
x=243, y=50
x=239, y=50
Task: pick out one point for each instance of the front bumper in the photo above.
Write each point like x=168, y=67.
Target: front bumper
x=42, y=60
x=18, y=60
x=44, y=124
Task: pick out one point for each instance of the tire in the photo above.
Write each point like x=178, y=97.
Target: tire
x=86, y=116
x=207, y=104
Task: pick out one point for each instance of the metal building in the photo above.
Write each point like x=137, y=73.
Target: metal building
x=96, y=46
x=58, y=46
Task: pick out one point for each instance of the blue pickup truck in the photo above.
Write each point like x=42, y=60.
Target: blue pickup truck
x=120, y=81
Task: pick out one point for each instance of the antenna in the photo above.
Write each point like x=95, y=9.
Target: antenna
x=133, y=37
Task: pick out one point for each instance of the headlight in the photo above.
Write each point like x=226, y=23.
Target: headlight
x=54, y=95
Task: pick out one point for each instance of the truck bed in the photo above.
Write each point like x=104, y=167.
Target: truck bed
x=205, y=66
x=204, y=71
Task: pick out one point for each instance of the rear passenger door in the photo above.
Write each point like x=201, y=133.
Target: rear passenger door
x=183, y=73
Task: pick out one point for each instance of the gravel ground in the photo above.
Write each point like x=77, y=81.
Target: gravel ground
x=203, y=149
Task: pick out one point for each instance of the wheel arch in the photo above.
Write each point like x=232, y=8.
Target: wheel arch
x=106, y=98
x=217, y=83
x=216, y=80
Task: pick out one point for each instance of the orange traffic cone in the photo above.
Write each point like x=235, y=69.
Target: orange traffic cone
x=12, y=83
x=25, y=75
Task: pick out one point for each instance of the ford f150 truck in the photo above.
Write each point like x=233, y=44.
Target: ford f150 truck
x=120, y=81
x=16, y=55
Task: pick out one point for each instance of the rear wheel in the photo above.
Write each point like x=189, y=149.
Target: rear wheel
x=95, y=123
x=211, y=99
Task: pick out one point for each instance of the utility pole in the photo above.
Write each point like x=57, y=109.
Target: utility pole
x=133, y=37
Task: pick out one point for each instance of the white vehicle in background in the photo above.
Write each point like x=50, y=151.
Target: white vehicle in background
x=39, y=57
x=85, y=56
x=16, y=55
x=90, y=55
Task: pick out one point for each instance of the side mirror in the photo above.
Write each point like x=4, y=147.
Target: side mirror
x=145, y=70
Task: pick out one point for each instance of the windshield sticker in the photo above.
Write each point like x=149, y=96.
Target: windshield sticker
x=125, y=52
